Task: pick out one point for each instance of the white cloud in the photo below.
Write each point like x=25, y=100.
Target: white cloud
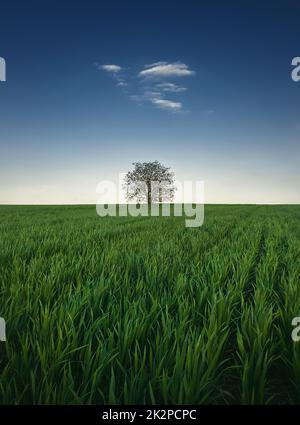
x=155, y=64
x=146, y=96
x=209, y=112
x=165, y=69
x=110, y=68
x=169, y=105
x=170, y=87
x=116, y=72
x=122, y=83
x=154, y=83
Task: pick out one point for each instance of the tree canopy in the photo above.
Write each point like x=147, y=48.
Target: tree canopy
x=150, y=182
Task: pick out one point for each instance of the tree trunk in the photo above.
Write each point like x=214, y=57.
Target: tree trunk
x=160, y=195
x=149, y=200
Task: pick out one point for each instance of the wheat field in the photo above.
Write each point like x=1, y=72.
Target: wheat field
x=143, y=310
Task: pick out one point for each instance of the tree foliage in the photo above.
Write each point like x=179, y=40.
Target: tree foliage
x=150, y=182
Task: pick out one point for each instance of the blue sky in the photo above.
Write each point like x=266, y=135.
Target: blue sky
x=203, y=86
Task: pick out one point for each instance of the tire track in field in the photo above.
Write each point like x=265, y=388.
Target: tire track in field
x=231, y=383
x=259, y=258
x=281, y=370
x=269, y=287
x=235, y=231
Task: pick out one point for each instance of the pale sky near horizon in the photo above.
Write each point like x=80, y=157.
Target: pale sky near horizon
x=204, y=87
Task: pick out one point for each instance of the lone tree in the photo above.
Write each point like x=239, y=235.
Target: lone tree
x=150, y=182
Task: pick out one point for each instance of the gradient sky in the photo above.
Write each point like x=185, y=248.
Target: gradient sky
x=217, y=103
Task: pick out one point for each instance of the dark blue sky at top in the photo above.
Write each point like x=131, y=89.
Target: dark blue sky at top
x=60, y=116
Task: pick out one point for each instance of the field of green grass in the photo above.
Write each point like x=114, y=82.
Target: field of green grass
x=144, y=310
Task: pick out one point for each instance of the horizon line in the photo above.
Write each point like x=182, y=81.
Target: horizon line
x=166, y=203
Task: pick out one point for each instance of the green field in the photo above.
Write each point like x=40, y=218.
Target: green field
x=144, y=310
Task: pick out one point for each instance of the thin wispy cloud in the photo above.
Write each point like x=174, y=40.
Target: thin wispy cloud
x=171, y=87
x=157, y=99
x=116, y=71
x=110, y=68
x=169, y=105
x=146, y=95
x=209, y=112
x=153, y=84
x=165, y=69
